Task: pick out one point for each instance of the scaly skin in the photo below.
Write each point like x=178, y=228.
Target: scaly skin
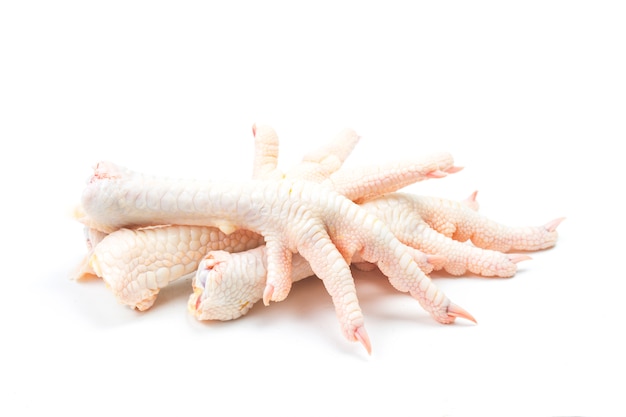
x=225, y=283
x=128, y=282
x=357, y=184
x=322, y=166
x=439, y=226
x=292, y=216
x=227, y=295
x=362, y=184
x=137, y=264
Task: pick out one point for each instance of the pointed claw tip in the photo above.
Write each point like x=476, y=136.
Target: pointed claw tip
x=471, y=201
x=437, y=174
x=267, y=294
x=456, y=311
x=516, y=258
x=254, y=129
x=454, y=169
x=551, y=226
x=361, y=335
x=436, y=260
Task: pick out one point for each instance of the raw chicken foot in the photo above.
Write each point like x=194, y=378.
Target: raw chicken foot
x=148, y=262
x=440, y=226
x=137, y=264
x=321, y=225
x=227, y=285
x=319, y=166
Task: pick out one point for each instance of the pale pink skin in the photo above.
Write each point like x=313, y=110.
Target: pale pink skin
x=137, y=264
x=292, y=216
x=228, y=284
x=213, y=204
x=440, y=226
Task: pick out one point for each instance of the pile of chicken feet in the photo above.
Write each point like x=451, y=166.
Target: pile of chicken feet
x=247, y=241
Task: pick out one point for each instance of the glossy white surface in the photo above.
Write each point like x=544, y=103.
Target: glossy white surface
x=528, y=98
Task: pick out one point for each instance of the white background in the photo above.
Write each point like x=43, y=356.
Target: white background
x=529, y=98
